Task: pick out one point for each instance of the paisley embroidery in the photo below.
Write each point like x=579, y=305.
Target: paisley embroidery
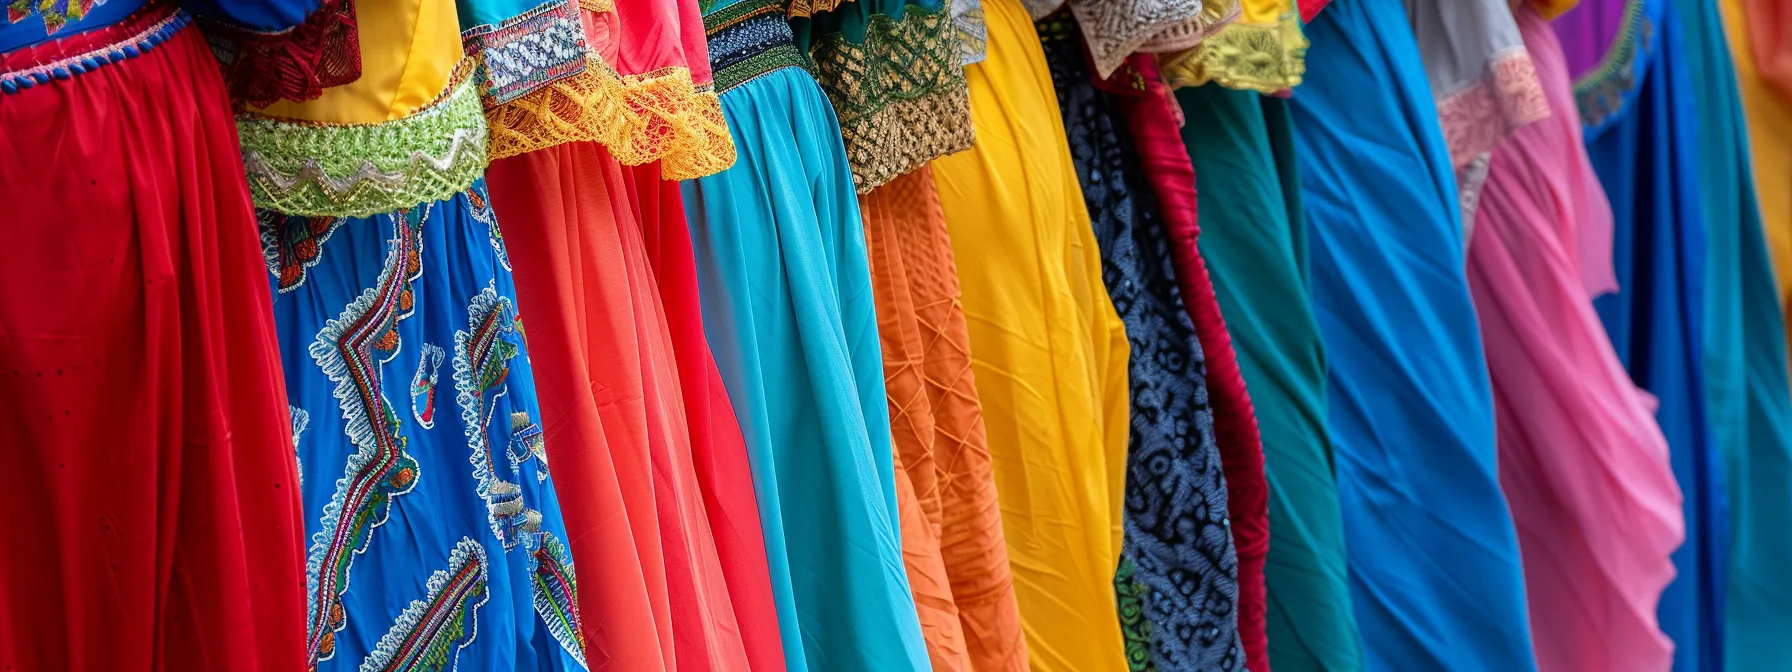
x=482, y=213
x=557, y=595
x=351, y=349
x=56, y=13
x=293, y=244
x=481, y=364
x=525, y=442
x=430, y=634
x=423, y=386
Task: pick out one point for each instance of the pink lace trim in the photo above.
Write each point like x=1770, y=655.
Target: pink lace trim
x=1476, y=118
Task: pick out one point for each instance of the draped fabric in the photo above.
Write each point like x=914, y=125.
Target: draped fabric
x=719, y=451
x=952, y=543
x=1641, y=145
x=1152, y=118
x=1767, y=102
x=789, y=311
x=1744, y=357
x=617, y=414
x=1177, y=541
x=1582, y=462
x=141, y=409
x=1411, y=410
x=1047, y=348
x=1254, y=239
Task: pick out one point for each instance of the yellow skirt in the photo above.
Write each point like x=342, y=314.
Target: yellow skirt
x=1048, y=351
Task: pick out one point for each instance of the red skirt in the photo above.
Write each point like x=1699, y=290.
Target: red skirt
x=146, y=453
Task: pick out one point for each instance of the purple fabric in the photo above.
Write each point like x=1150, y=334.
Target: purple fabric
x=1587, y=33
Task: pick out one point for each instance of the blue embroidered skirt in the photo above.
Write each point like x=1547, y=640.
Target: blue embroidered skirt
x=432, y=530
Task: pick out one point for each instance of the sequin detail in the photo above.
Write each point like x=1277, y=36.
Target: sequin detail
x=747, y=40
x=527, y=51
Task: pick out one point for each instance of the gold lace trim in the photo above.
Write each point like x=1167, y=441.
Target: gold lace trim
x=599, y=6
x=656, y=116
x=1248, y=56
x=802, y=8
x=1215, y=15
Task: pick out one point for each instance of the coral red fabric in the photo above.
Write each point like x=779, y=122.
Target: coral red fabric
x=146, y=450
x=1152, y=117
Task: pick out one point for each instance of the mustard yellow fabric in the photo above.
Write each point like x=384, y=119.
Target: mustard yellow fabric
x=1047, y=348
x=408, y=52
x=1770, y=142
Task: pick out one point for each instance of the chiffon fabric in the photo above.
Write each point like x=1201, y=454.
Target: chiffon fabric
x=1254, y=239
x=1177, y=543
x=789, y=310
x=1048, y=350
x=1641, y=146
x=1745, y=361
x=952, y=544
x=1435, y=571
x=1153, y=119
x=617, y=414
x=1582, y=462
x=141, y=409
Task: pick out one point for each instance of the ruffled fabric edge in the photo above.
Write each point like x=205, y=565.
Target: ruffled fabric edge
x=1476, y=117
x=893, y=129
x=1266, y=58
x=295, y=64
x=360, y=170
x=655, y=116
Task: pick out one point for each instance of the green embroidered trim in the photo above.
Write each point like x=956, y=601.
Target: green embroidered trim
x=1603, y=92
x=901, y=96
x=736, y=74
x=1134, y=628
x=360, y=170
x=1247, y=56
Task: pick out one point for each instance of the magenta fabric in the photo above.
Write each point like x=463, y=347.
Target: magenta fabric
x=1583, y=464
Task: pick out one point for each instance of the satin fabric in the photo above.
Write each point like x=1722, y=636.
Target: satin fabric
x=1254, y=238
x=952, y=543
x=1048, y=350
x=398, y=75
x=1745, y=361
x=1767, y=102
x=1154, y=121
x=1582, y=462
x=788, y=308
x=1434, y=563
x=576, y=236
x=1644, y=154
x=716, y=443
x=141, y=403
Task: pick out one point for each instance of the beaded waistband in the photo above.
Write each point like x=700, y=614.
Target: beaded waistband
x=129, y=38
x=748, y=39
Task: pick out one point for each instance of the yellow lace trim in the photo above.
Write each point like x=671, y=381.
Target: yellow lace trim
x=1249, y=56
x=599, y=6
x=657, y=116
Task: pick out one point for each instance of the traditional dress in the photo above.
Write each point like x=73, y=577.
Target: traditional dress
x=1411, y=409
x=1048, y=350
x=1582, y=462
x=144, y=426
x=789, y=310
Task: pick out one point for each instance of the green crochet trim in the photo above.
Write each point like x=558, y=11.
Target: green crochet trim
x=1603, y=92
x=360, y=170
x=1134, y=628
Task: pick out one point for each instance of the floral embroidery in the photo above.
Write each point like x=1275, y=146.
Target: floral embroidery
x=901, y=95
x=150, y=37
x=526, y=52
x=749, y=39
x=361, y=170
x=481, y=209
x=293, y=244
x=56, y=13
x=481, y=363
x=423, y=385
x=557, y=595
x=430, y=634
x=526, y=441
x=351, y=349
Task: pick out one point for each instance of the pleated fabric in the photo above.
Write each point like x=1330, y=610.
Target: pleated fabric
x=1153, y=120
x=952, y=544
x=1048, y=350
x=575, y=234
x=1582, y=462
x=719, y=451
x=1178, y=542
x=789, y=311
x=142, y=410
x=1745, y=361
x=1644, y=155
x=1436, y=579
x=1254, y=238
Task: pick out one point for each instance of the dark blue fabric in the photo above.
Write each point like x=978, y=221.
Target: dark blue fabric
x=1436, y=579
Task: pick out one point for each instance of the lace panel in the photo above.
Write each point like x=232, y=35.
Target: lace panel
x=1247, y=56
x=295, y=64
